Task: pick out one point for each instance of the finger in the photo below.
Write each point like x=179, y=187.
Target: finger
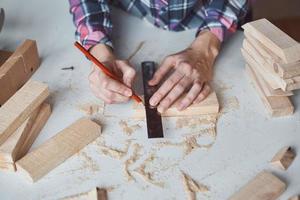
x=165, y=88
x=166, y=65
x=190, y=97
x=116, y=86
x=127, y=71
x=107, y=96
x=203, y=94
x=177, y=90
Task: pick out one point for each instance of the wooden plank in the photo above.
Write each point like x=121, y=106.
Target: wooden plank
x=10, y=147
x=210, y=105
x=273, y=80
x=94, y=194
x=265, y=186
x=284, y=158
x=17, y=69
x=4, y=55
x=18, y=144
x=276, y=106
x=267, y=89
x=284, y=70
x=18, y=108
x=57, y=149
x=39, y=123
x=274, y=39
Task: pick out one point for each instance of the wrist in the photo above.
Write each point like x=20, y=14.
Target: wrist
x=206, y=40
x=102, y=52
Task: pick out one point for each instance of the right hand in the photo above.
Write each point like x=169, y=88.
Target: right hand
x=106, y=88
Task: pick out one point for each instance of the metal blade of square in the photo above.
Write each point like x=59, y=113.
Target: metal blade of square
x=153, y=117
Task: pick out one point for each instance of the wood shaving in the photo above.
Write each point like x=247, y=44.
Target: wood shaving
x=193, y=122
x=228, y=104
x=88, y=162
x=190, y=145
x=140, y=45
x=91, y=109
x=113, y=152
x=128, y=130
x=133, y=158
x=192, y=187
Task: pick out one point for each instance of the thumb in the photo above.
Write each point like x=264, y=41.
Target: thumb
x=127, y=71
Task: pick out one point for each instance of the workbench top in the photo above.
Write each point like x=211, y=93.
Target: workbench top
x=246, y=138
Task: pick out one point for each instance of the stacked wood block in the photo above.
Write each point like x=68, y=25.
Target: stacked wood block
x=21, y=119
x=16, y=68
x=273, y=65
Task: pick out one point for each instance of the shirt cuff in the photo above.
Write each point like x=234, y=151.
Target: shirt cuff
x=221, y=28
x=94, y=38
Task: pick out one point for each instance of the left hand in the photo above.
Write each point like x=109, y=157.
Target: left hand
x=192, y=69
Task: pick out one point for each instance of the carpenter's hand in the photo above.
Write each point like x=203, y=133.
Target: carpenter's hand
x=105, y=88
x=191, y=69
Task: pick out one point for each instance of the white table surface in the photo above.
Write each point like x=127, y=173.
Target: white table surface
x=246, y=137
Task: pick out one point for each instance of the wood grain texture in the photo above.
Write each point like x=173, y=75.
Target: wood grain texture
x=94, y=194
x=18, y=108
x=210, y=105
x=265, y=186
x=273, y=80
x=4, y=55
x=57, y=149
x=284, y=158
x=9, y=149
x=276, y=106
x=17, y=69
x=274, y=39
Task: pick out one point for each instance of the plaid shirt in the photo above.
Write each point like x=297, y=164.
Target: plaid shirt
x=93, y=23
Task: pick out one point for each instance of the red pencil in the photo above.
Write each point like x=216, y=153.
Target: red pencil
x=102, y=67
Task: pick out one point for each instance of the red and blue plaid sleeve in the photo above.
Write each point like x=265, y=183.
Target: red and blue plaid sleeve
x=92, y=21
x=222, y=16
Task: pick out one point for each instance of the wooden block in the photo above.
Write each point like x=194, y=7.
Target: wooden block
x=11, y=167
x=38, y=124
x=284, y=70
x=19, y=107
x=274, y=39
x=57, y=149
x=284, y=158
x=17, y=69
x=210, y=105
x=4, y=55
x=273, y=80
x=265, y=186
x=29, y=53
x=295, y=198
x=95, y=194
x=18, y=144
x=276, y=106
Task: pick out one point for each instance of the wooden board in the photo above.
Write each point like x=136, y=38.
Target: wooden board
x=274, y=39
x=284, y=70
x=18, y=144
x=10, y=147
x=273, y=80
x=4, y=55
x=210, y=105
x=284, y=158
x=276, y=106
x=17, y=69
x=19, y=107
x=57, y=149
x=95, y=194
x=265, y=186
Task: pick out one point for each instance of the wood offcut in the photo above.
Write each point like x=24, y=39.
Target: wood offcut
x=284, y=158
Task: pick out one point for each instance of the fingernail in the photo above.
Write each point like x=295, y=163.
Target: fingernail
x=153, y=101
x=160, y=109
x=128, y=93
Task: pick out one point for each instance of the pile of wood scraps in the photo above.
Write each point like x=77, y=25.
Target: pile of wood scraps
x=273, y=65
x=22, y=117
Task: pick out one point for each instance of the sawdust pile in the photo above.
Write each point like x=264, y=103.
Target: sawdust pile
x=192, y=187
x=128, y=130
x=132, y=159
